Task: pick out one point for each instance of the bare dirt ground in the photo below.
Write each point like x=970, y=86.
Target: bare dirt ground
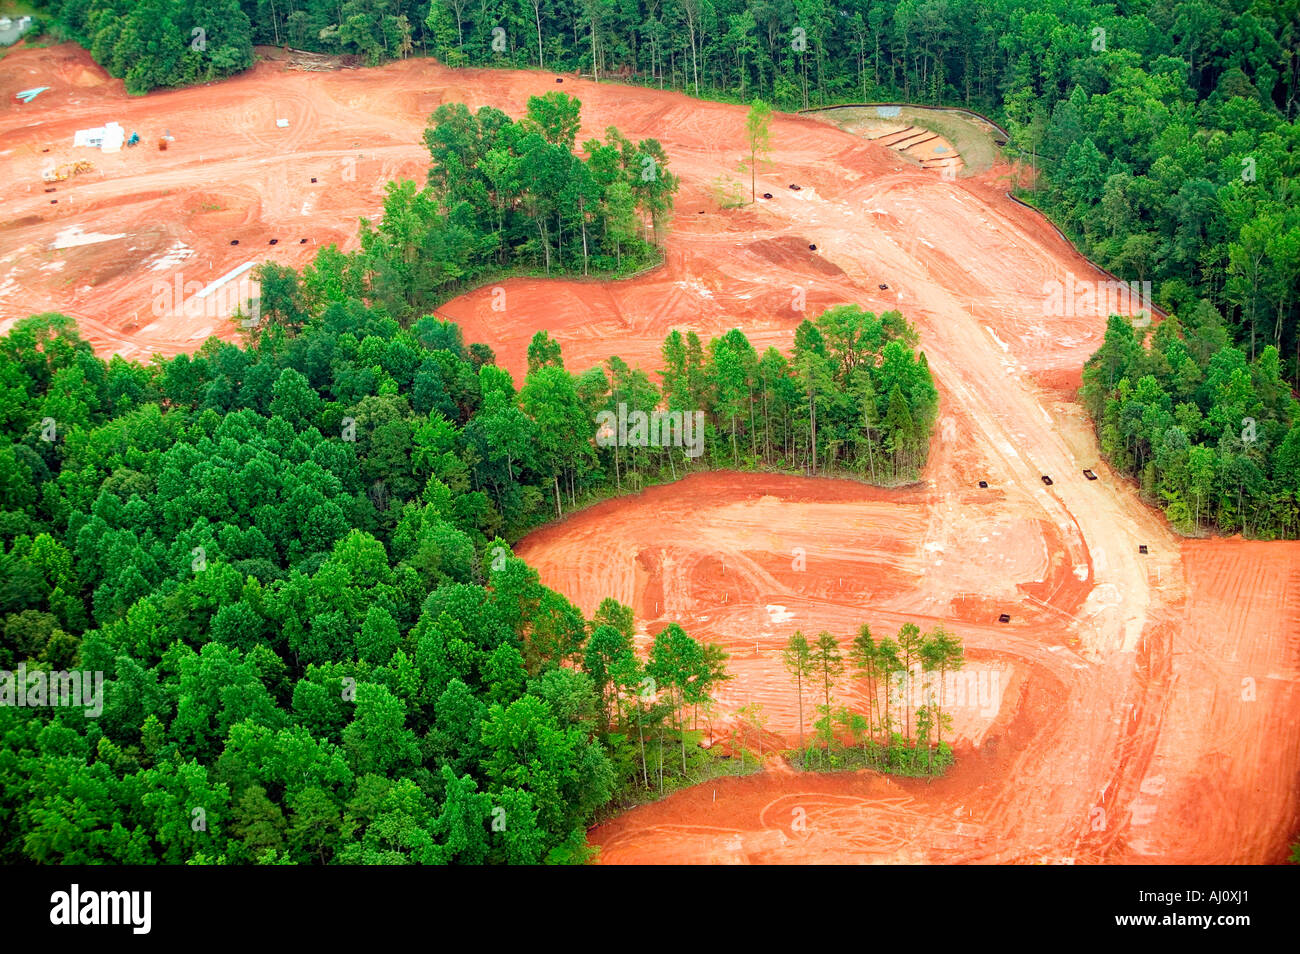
x=967, y=142
x=1147, y=706
x=905, y=131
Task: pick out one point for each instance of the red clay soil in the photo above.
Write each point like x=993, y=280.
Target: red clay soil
x=1147, y=706
x=231, y=173
x=1146, y=713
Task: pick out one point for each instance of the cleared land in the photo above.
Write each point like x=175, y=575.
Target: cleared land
x=1149, y=708
x=935, y=138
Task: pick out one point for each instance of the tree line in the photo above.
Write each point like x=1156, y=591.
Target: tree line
x=855, y=398
x=894, y=674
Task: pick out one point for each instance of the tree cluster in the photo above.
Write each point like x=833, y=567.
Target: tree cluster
x=856, y=398
x=1212, y=436
x=512, y=197
x=152, y=43
x=893, y=675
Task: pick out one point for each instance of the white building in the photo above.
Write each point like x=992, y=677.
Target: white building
x=108, y=137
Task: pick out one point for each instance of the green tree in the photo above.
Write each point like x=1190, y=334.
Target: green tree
x=797, y=657
x=826, y=661
x=678, y=665
x=758, y=124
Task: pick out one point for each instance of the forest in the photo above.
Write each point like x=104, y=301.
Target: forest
x=316, y=647
x=289, y=562
x=1211, y=435
x=287, y=559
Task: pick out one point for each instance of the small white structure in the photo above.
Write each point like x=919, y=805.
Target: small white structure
x=108, y=137
x=282, y=123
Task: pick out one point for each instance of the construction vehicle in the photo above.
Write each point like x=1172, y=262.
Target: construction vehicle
x=134, y=140
x=67, y=171
x=162, y=144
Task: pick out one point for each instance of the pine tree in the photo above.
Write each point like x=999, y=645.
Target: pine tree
x=941, y=652
x=862, y=655
x=826, y=661
x=797, y=657
x=897, y=428
x=758, y=137
x=909, y=644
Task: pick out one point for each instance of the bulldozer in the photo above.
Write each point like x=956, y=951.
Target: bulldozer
x=67, y=171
